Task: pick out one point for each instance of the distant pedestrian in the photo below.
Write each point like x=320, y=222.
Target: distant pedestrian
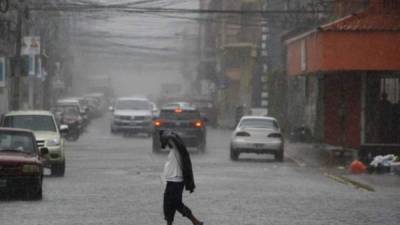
x=178, y=174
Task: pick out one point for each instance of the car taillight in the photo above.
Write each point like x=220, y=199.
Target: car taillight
x=157, y=123
x=275, y=135
x=242, y=134
x=198, y=124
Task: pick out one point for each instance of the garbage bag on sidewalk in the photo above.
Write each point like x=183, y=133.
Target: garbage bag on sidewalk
x=383, y=160
x=382, y=164
x=357, y=167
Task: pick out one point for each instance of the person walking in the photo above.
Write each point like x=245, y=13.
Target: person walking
x=178, y=174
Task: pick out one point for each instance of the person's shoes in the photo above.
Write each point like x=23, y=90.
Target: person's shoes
x=201, y=223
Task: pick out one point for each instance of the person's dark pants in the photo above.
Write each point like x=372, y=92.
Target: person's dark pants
x=173, y=201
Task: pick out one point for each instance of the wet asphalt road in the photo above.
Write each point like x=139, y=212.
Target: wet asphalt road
x=113, y=180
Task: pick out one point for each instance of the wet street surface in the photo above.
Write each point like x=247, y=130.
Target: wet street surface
x=111, y=179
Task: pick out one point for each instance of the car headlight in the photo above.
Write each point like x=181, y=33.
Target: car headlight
x=53, y=142
x=30, y=169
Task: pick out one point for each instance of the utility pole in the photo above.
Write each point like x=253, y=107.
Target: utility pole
x=17, y=96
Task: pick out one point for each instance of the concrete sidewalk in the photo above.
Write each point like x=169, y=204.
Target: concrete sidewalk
x=317, y=156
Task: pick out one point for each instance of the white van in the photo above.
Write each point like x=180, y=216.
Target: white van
x=133, y=115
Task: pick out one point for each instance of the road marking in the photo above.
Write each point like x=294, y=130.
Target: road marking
x=298, y=162
x=350, y=182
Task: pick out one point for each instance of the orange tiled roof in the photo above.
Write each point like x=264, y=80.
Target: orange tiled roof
x=368, y=20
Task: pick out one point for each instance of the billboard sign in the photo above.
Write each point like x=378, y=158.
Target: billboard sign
x=30, y=46
x=2, y=71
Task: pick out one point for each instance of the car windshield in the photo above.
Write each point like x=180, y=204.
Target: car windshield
x=31, y=122
x=132, y=105
x=258, y=123
x=66, y=110
x=177, y=104
x=16, y=141
x=179, y=115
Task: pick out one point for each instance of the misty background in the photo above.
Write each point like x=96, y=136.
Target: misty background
x=139, y=51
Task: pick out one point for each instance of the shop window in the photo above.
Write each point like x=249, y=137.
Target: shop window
x=382, y=109
x=390, y=87
x=391, y=4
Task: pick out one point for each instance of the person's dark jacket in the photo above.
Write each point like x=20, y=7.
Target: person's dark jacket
x=186, y=166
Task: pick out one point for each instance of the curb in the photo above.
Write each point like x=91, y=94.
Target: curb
x=350, y=182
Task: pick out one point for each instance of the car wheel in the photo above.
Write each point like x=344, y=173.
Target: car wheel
x=58, y=169
x=72, y=137
x=76, y=135
x=35, y=193
x=234, y=154
x=279, y=156
x=202, y=146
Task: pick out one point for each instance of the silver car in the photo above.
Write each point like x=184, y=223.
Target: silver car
x=132, y=115
x=257, y=134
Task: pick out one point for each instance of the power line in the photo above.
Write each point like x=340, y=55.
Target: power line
x=127, y=8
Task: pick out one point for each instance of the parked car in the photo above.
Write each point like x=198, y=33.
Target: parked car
x=83, y=102
x=257, y=134
x=47, y=133
x=186, y=122
x=77, y=103
x=69, y=115
x=73, y=119
x=301, y=134
x=132, y=115
x=98, y=103
x=21, y=168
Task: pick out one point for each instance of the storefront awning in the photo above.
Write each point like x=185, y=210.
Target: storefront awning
x=366, y=41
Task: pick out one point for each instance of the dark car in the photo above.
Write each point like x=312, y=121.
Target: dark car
x=73, y=119
x=69, y=115
x=21, y=168
x=301, y=134
x=207, y=110
x=186, y=122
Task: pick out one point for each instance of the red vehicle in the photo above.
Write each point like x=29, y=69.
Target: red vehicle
x=21, y=168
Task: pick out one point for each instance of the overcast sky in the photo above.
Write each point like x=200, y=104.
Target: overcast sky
x=139, y=51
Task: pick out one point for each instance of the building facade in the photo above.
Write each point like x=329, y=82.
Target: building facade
x=352, y=67
x=33, y=50
x=230, y=46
